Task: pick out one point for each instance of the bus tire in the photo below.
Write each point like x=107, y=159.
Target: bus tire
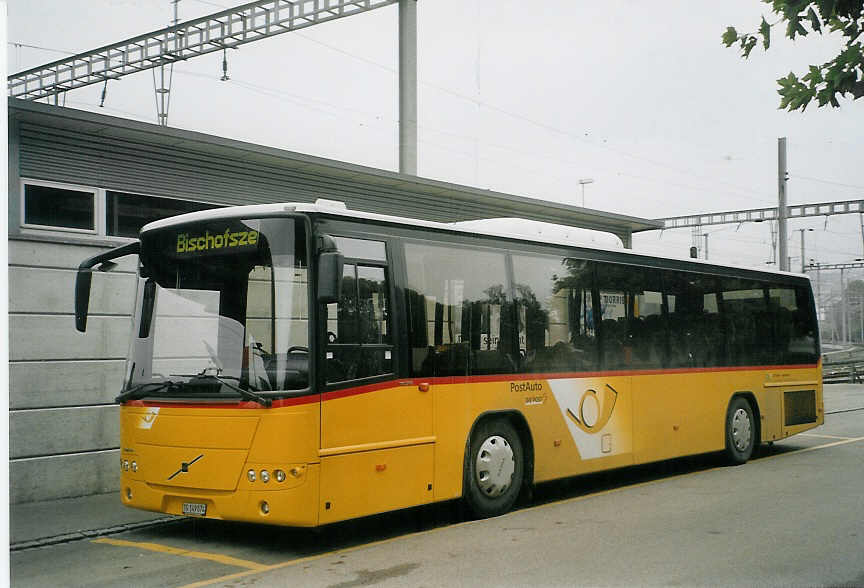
x=494, y=468
x=740, y=431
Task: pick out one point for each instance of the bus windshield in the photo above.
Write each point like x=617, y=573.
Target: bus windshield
x=222, y=305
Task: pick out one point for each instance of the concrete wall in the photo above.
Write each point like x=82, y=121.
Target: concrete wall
x=64, y=427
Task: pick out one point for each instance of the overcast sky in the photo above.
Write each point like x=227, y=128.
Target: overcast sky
x=525, y=97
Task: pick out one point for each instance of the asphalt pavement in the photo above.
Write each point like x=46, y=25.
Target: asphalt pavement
x=52, y=522
x=35, y=524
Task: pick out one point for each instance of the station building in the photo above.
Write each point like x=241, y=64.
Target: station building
x=81, y=183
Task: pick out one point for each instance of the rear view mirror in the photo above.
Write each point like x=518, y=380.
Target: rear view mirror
x=82, y=297
x=85, y=277
x=330, y=264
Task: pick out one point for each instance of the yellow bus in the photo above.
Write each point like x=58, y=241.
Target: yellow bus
x=301, y=364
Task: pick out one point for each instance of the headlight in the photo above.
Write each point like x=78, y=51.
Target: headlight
x=134, y=466
x=265, y=476
x=280, y=475
x=251, y=475
x=125, y=465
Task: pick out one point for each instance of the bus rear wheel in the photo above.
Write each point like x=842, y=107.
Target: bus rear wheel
x=740, y=431
x=494, y=469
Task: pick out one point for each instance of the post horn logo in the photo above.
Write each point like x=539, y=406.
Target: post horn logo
x=594, y=414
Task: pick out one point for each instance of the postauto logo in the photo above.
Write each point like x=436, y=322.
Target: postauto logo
x=209, y=241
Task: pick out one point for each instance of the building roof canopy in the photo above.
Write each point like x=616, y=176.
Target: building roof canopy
x=392, y=193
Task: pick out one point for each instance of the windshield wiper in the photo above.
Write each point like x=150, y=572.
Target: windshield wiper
x=146, y=389
x=245, y=394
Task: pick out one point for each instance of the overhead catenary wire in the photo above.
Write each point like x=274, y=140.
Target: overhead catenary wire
x=477, y=100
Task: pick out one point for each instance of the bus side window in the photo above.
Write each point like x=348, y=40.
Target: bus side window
x=460, y=318
x=791, y=323
x=696, y=331
x=555, y=314
x=633, y=327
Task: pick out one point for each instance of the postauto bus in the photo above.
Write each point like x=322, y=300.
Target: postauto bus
x=300, y=364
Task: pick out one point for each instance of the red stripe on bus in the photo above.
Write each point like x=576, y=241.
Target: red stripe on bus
x=356, y=391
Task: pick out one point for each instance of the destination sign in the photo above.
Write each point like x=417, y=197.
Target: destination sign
x=191, y=243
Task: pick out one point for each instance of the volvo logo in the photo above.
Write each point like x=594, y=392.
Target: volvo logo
x=184, y=467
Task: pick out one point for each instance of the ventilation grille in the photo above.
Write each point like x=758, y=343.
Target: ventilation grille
x=800, y=407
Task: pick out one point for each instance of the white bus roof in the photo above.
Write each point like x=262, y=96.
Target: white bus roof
x=534, y=231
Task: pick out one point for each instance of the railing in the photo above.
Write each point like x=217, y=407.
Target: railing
x=843, y=371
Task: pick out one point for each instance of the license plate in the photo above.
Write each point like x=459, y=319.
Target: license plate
x=194, y=508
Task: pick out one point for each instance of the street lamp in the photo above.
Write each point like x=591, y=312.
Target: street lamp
x=582, y=183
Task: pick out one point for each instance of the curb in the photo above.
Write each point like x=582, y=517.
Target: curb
x=90, y=533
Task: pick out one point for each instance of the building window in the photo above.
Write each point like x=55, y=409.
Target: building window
x=60, y=207
x=127, y=213
x=50, y=206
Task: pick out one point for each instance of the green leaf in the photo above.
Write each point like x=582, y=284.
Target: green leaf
x=814, y=20
x=747, y=44
x=791, y=27
x=814, y=77
x=765, y=31
x=788, y=81
x=730, y=36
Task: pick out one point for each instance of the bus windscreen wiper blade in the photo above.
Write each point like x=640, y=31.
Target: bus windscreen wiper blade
x=245, y=394
x=146, y=389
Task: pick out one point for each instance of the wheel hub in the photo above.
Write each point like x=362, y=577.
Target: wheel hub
x=741, y=429
x=494, y=466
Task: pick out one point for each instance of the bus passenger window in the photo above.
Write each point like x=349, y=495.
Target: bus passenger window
x=695, y=329
x=554, y=314
x=460, y=319
x=792, y=326
x=746, y=321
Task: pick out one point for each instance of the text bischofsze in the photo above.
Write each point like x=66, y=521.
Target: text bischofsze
x=208, y=241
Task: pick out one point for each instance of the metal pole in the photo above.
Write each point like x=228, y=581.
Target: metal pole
x=861, y=218
x=706, y=245
x=781, y=207
x=843, y=326
x=802, y=250
x=818, y=293
x=408, y=87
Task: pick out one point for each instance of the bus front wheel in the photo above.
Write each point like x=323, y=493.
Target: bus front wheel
x=495, y=468
x=740, y=431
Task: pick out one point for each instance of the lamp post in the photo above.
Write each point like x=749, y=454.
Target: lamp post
x=802, y=231
x=582, y=183
x=705, y=235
